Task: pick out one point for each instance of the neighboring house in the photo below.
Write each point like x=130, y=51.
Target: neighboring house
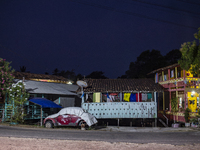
x=121, y=98
x=55, y=88
x=41, y=77
x=62, y=94
x=179, y=83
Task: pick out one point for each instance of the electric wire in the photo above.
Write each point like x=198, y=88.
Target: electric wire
x=129, y=13
x=190, y=2
x=182, y=10
x=198, y=17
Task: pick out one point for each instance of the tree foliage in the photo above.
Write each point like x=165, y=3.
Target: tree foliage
x=17, y=98
x=23, y=69
x=149, y=61
x=96, y=75
x=71, y=75
x=6, y=77
x=190, y=59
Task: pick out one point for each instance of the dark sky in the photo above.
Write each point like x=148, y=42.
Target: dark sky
x=92, y=35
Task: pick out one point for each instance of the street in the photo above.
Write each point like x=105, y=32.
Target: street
x=175, y=138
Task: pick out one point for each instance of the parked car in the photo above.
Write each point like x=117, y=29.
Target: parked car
x=70, y=116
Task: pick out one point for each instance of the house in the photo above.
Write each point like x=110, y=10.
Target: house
x=180, y=83
x=55, y=88
x=41, y=77
x=121, y=98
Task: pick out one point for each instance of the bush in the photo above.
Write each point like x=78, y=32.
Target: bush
x=187, y=114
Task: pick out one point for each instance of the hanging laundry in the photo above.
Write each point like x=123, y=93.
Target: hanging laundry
x=149, y=95
x=117, y=99
x=113, y=94
x=144, y=97
x=109, y=99
x=127, y=97
x=138, y=99
x=133, y=97
x=96, y=97
x=112, y=97
x=120, y=96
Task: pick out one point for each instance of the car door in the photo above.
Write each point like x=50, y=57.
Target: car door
x=74, y=118
x=64, y=119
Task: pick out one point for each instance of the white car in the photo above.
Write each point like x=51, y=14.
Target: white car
x=70, y=116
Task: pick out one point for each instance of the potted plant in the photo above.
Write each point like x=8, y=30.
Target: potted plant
x=187, y=117
x=174, y=108
x=194, y=122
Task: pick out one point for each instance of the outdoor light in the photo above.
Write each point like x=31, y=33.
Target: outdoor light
x=192, y=93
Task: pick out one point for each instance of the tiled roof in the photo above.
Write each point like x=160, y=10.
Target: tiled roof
x=29, y=76
x=121, y=85
x=164, y=68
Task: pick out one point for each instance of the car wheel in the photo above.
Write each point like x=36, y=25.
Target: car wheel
x=80, y=123
x=49, y=124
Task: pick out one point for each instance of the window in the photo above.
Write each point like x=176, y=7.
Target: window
x=179, y=72
x=172, y=74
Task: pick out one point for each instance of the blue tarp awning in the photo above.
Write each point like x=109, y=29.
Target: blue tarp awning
x=44, y=103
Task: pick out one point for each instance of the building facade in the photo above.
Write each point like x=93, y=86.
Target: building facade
x=181, y=84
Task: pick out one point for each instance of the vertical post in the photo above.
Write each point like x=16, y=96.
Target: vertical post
x=118, y=122
x=6, y=106
x=82, y=94
x=163, y=78
x=168, y=74
x=163, y=100
x=155, y=97
x=158, y=102
x=155, y=122
x=170, y=96
x=176, y=75
x=59, y=100
x=155, y=102
x=41, y=119
x=13, y=112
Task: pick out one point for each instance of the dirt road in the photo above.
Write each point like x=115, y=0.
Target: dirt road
x=7, y=143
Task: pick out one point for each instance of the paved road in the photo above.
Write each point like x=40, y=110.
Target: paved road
x=176, y=138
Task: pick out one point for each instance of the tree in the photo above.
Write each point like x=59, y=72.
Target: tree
x=23, y=69
x=55, y=72
x=79, y=77
x=68, y=74
x=17, y=98
x=190, y=55
x=146, y=62
x=172, y=57
x=96, y=75
x=6, y=77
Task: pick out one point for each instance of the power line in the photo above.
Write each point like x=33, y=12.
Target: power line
x=156, y=9
x=182, y=10
x=129, y=13
x=190, y=2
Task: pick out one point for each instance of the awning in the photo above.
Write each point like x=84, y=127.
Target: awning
x=44, y=103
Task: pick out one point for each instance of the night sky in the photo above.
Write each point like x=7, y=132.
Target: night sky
x=92, y=35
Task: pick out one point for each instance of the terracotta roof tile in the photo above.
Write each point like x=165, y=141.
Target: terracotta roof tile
x=117, y=85
x=29, y=76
